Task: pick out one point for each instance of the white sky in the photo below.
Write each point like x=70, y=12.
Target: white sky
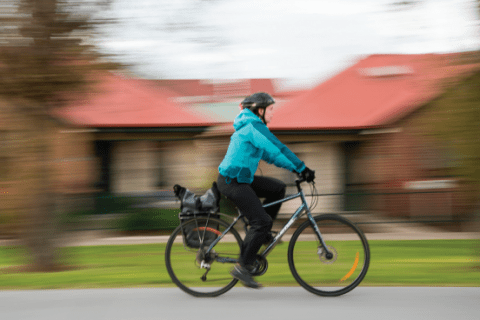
x=303, y=41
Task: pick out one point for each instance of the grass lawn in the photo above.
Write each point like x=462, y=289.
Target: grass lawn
x=393, y=263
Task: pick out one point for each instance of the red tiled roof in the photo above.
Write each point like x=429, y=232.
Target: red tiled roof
x=376, y=91
x=123, y=102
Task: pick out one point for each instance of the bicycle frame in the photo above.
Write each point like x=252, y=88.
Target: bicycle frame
x=298, y=213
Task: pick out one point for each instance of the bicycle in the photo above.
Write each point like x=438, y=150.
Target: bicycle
x=328, y=255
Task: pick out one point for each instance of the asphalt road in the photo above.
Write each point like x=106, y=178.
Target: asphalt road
x=240, y=303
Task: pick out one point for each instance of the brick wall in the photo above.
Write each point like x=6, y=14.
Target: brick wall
x=405, y=155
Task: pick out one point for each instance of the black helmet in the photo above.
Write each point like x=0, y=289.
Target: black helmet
x=257, y=100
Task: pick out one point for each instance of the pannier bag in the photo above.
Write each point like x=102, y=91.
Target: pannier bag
x=191, y=205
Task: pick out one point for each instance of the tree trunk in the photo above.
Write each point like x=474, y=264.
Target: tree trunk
x=42, y=233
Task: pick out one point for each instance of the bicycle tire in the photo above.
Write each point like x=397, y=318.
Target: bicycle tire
x=184, y=267
x=310, y=265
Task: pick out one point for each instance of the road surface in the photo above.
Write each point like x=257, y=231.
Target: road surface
x=241, y=303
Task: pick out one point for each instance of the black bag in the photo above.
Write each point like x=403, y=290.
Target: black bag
x=207, y=205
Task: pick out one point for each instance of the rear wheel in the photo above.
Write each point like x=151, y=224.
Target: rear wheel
x=191, y=268
x=333, y=272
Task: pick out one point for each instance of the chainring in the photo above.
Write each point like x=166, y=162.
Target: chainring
x=260, y=267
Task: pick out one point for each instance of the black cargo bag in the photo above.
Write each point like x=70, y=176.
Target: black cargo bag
x=191, y=205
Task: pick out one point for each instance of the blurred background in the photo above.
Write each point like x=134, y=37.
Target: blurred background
x=105, y=105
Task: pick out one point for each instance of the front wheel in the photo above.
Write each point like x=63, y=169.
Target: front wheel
x=191, y=267
x=331, y=272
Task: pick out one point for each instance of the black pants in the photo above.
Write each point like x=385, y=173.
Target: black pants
x=246, y=198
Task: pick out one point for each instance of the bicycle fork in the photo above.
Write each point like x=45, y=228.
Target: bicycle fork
x=304, y=206
x=328, y=253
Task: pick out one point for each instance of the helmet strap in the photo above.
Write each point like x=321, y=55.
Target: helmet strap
x=262, y=116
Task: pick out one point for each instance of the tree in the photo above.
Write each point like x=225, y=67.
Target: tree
x=44, y=53
x=456, y=127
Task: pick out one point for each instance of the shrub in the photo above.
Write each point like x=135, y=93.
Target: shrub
x=149, y=220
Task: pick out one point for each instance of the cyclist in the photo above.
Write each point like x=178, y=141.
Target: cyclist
x=251, y=142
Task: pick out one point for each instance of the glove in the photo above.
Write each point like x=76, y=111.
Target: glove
x=308, y=175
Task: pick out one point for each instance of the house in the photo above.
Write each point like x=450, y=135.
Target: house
x=135, y=128
x=364, y=132
x=144, y=132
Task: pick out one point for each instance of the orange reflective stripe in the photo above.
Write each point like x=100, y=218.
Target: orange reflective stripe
x=355, y=264
x=209, y=229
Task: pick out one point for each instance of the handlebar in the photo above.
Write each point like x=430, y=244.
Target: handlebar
x=299, y=180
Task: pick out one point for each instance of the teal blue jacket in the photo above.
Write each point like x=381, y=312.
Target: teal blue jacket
x=251, y=142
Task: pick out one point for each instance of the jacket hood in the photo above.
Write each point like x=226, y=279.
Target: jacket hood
x=245, y=117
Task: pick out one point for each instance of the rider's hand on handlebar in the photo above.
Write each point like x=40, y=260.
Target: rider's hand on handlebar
x=308, y=175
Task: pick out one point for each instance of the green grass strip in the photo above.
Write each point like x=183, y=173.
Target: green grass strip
x=393, y=263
